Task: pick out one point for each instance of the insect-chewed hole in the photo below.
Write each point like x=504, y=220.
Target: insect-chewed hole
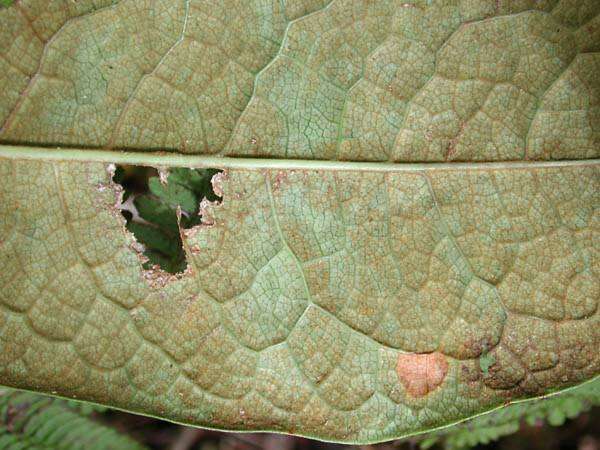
x=150, y=203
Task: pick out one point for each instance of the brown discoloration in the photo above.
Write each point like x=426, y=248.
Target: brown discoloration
x=115, y=187
x=217, y=182
x=474, y=348
x=206, y=207
x=507, y=372
x=205, y=211
x=279, y=179
x=469, y=373
x=158, y=278
x=421, y=373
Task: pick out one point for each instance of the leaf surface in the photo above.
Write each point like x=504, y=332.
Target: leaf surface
x=413, y=242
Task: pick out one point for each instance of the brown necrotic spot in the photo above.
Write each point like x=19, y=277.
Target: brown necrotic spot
x=421, y=373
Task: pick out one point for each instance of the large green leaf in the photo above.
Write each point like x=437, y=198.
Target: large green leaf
x=431, y=253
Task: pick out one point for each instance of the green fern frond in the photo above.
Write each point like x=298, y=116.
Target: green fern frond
x=553, y=410
x=35, y=422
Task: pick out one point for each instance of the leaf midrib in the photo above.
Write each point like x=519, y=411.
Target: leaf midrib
x=226, y=162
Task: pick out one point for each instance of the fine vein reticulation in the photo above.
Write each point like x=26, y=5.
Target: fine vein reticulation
x=374, y=81
x=410, y=221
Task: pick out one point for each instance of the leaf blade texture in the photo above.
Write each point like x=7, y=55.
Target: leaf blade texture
x=377, y=81
x=342, y=290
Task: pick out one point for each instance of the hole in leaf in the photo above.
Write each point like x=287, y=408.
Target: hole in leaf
x=150, y=207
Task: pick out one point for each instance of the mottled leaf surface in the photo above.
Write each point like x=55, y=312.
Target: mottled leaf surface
x=356, y=299
x=355, y=80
